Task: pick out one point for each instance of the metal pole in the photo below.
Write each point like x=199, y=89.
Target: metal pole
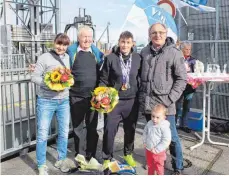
x=108, y=40
x=41, y=11
x=57, y=16
x=4, y=7
x=217, y=31
x=32, y=29
x=179, y=27
x=37, y=32
x=42, y=16
x=7, y=28
x=17, y=7
x=187, y=19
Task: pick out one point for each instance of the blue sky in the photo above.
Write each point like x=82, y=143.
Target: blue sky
x=102, y=11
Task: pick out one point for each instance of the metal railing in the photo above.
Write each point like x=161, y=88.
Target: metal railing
x=18, y=122
x=13, y=61
x=15, y=74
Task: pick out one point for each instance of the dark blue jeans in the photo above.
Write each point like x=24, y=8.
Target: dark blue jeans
x=175, y=146
x=183, y=107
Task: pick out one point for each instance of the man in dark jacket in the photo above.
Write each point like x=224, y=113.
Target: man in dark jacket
x=163, y=79
x=121, y=70
x=184, y=103
x=85, y=61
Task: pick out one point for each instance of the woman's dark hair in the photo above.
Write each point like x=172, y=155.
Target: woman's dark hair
x=126, y=35
x=62, y=39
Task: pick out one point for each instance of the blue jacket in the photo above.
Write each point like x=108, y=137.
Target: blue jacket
x=72, y=49
x=191, y=61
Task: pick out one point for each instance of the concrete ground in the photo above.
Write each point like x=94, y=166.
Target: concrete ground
x=205, y=160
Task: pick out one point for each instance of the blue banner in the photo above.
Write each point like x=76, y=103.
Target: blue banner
x=200, y=2
x=156, y=14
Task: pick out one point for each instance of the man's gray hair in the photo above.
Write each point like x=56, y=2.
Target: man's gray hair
x=185, y=43
x=164, y=26
x=84, y=28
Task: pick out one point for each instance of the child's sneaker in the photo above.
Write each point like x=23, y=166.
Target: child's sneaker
x=130, y=160
x=43, y=170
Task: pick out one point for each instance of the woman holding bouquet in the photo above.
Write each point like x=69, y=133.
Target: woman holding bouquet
x=120, y=71
x=52, y=98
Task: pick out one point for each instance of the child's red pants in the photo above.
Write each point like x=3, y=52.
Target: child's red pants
x=155, y=162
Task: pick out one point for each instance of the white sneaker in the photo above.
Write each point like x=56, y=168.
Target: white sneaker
x=94, y=164
x=65, y=165
x=43, y=170
x=81, y=159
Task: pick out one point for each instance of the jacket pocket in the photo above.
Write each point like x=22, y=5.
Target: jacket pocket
x=164, y=99
x=160, y=86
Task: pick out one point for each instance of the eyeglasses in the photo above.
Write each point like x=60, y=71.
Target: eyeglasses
x=159, y=32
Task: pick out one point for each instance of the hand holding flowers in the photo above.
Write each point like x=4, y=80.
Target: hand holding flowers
x=104, y=99
x=59, y=79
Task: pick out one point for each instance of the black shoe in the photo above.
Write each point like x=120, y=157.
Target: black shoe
x=145, y=166
x=186, y=129
x=176, y=172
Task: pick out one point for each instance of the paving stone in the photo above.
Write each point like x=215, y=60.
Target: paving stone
x=201, y=158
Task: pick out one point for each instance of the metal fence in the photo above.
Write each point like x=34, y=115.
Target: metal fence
x=209, y=34
x=13, y=61
x=15, y=74
x=18, y=123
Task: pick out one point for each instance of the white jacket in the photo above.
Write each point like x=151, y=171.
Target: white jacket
x=157, y=136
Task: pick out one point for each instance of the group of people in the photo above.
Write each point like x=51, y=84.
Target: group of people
x=149, y=85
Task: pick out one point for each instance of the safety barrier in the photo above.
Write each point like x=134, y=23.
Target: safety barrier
x=13, y=61
x=18, y=122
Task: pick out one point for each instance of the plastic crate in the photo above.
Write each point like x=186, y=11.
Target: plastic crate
x=195, y=119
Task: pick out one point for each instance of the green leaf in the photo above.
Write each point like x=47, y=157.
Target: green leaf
x=66, y=84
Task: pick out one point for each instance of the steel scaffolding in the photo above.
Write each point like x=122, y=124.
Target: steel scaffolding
x=28, y=25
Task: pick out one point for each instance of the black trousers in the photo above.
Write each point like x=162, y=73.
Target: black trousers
x=126, y=111
x=80, y=111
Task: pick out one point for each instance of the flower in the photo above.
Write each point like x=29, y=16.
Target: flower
x=104, y=99
x=62, y=71
x=59, y=79
x=64, y=78
x=55, y=76
x=100, y=89
x=194, y=82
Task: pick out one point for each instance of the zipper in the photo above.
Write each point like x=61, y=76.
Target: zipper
x=167, y=70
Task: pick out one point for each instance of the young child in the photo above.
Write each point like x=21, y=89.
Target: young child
x=156, y=138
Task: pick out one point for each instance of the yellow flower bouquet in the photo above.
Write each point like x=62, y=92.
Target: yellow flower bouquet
x=104, y=99
x=59, y=79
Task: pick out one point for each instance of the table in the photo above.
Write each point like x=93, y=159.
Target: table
x=207, y=80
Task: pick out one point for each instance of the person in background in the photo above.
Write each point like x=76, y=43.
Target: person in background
x=134, y=46
x=156, y=139
x=184, y=103
x=121, y=71
x=50, y=102
x=85, y=61
x=178, y=44
x=163, y=79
